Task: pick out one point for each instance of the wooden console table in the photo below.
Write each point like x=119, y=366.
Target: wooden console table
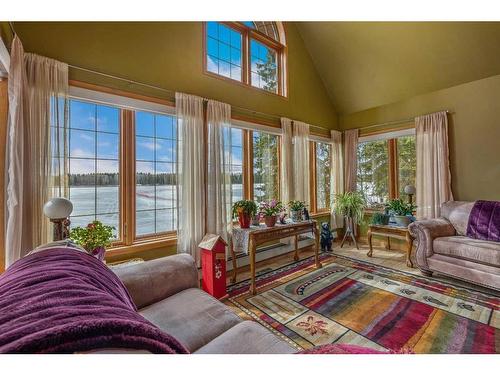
x=391, y=231
x=249, y=239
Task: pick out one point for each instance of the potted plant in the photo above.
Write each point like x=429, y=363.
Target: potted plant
x=270, y=210
x=94, y=238
x=296, y=210
x=351, y=205
x=244, y=210
x=401, y=211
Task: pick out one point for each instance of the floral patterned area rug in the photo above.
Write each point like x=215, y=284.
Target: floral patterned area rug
x=352, y=302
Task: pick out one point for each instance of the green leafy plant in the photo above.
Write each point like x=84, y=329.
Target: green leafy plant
x=296, y=205
x=93, y=236
x=271, y=208
x=400, y=207
x=350, y=204
x=244, y=207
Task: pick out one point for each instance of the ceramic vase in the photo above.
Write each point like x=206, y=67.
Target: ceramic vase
x=296, y=216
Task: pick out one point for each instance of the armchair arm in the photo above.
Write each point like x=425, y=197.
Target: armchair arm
x=157, y=279
x=425, y=231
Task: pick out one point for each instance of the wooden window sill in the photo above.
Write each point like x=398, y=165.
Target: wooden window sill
x=142, y=245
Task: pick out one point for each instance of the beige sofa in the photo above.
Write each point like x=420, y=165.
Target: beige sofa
x=166, y=292
x=443, y=247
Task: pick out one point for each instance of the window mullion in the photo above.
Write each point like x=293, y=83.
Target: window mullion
x=127, y=173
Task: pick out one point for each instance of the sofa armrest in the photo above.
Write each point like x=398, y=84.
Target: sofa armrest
x=425, y=231
x=151, y=281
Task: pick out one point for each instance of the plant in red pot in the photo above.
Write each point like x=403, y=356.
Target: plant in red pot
x=270, y=211
x=244, y=210
x=94, y=238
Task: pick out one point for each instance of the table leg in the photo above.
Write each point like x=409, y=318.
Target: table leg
x=316, y=248
x=251, y=249
x=409, y=243
x=388, y=245
x=369, y=234
x=296, y=247
x=235, y=266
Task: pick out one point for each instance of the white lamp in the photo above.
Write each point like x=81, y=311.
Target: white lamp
x=58, y=210
x=410, y=190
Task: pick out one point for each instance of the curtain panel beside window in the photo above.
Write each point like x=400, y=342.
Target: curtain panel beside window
x=35, y=82
x=301, y=164
x=219, y=169
x=433, y=166
x=191, y=169
x=351, y=159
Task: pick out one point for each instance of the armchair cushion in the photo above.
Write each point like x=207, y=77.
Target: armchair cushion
x=154, y=280
x=457, y=213
x=485, y=252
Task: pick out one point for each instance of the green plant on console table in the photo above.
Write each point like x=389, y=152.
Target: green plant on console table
x=244, y=207
x=400, y=207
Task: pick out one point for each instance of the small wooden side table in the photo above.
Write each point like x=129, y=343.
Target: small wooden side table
x=391, y=231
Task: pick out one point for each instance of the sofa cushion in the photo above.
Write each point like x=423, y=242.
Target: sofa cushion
x=468, y=248
x=247, y=337
x=192, y=316
x=457, y=213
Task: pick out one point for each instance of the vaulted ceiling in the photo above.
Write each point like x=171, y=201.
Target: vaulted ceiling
x=368, y=64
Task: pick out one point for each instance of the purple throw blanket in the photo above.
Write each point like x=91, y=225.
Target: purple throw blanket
x=63, y=301
x=484, y=221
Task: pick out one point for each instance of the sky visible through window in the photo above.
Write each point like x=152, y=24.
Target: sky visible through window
x=224, y=55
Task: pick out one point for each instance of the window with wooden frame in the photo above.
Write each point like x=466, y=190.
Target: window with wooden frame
x=320, y=176
x=386, y=164
x=122, y=156
x=252, y=53
x=94, y=158
x=265, y=176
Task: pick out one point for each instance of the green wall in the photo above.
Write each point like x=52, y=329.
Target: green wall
x=170, y=55
x=474, y=132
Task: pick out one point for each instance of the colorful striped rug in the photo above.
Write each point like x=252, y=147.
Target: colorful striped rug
x=353, y=302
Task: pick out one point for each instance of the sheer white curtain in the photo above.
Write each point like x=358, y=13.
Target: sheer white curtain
x=286, y=168
x=191, y=169
x=34, y=83
x=301, y=165
x=337, y=175
x=433, y=167
x=351, y=158
x=219, y=164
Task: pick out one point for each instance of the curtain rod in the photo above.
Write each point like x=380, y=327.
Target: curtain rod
x=396, y=122
x=173, y=92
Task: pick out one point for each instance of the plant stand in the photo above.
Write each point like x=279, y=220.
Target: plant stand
x=349, y=233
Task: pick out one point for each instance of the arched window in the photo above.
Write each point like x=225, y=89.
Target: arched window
x=252, y=53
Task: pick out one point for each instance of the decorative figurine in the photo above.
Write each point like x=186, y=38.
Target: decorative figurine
x=326, y=238
x=305, y=214
x=283, y=218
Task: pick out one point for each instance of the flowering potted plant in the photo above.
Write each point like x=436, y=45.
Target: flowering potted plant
x=244, y=210
x=269, y=210
x=296, y=210
x=94, y=238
